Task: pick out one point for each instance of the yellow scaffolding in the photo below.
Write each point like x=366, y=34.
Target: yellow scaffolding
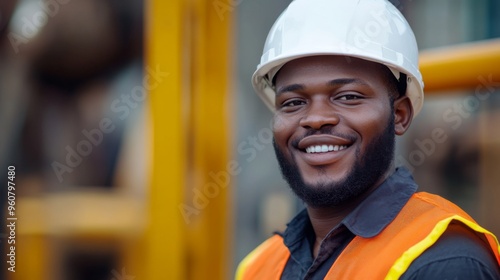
x=165, y=252
x=461, y=66
x=189, y=211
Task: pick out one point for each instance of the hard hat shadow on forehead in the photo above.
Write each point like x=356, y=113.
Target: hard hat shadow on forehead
x=372, y=30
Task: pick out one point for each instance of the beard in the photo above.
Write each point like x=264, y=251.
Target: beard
x=368, y=168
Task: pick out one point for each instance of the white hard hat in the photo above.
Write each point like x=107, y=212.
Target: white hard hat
x=373, y=30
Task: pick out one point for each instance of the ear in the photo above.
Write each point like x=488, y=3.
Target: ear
x=403, y=114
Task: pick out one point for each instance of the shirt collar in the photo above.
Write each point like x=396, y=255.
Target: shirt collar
x=371, y=216
x=383, y=205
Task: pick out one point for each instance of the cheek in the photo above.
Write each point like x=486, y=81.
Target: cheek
x=370, y=122
x=284, y=127
x=372, y=132
x=280, y=122
x=377, y=111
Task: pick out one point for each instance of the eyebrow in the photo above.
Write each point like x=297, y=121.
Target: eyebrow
x=292, y=87
x=333, y=83
x=346, y=81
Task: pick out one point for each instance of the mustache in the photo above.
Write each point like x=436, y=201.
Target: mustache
x=325, y=130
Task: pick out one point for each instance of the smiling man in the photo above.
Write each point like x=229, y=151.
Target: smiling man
x=342, y=78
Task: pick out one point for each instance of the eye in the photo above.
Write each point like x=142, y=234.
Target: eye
x=293, y=103
x=347, y=97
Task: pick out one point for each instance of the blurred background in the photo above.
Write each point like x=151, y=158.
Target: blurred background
x=140, y=150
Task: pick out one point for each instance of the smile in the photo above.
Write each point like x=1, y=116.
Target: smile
x=324, y=148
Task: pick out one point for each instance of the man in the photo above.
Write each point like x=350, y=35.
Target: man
x=342, y=77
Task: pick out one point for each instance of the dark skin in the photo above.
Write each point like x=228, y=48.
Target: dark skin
x=351, y=98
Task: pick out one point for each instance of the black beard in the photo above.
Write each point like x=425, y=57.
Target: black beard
x=367, y=170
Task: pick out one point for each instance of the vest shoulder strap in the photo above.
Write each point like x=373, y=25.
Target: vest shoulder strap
x=267, y=261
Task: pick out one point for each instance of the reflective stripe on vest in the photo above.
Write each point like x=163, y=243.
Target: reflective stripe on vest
x=421, y=222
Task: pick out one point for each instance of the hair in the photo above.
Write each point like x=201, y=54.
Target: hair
x=397, y=88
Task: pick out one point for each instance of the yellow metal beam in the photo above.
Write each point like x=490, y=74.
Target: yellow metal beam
x=210, y=63
x=461, y=66
x=189, y=218
x=165, y=240
x=31, y=258
x=90, y=213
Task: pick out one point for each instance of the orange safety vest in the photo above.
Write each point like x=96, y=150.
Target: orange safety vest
x=421, y=222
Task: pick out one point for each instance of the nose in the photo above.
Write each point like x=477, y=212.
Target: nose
x=320, y=114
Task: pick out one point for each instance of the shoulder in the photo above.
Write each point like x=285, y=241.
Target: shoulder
x=458, y=254
x=271, y=244
x=266, y=257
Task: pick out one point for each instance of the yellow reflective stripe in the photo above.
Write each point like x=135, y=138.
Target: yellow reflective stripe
x=243, y=265
x=249, y=258
x=402, y=264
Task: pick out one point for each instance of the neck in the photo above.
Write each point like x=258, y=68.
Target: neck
x=324, y=219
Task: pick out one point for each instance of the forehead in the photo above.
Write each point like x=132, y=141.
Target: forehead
x=316, y=67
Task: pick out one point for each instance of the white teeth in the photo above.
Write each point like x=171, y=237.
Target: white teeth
x=324, y=148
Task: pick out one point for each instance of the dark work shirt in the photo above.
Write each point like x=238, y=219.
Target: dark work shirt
x=458, y=254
